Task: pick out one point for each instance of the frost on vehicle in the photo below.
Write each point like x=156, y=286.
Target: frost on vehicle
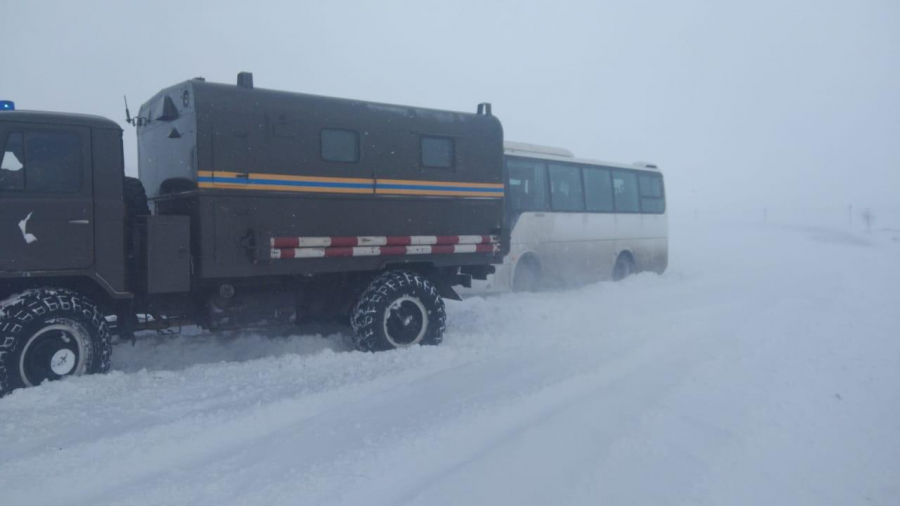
x=576, y=221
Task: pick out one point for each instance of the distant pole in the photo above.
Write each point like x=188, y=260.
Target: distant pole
x=765, y=215
x=850, y=214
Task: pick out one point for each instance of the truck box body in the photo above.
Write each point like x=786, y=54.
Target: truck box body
x=248, y=165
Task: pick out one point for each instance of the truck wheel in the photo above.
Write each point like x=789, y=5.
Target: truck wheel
x=135, y=198
x=398, y=309
x=48, y=334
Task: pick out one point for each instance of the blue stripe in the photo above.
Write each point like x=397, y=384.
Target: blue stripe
x=279, y=182
x=382, y=186
x=323, y=184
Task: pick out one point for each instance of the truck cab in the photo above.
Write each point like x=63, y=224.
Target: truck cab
x=61, y=205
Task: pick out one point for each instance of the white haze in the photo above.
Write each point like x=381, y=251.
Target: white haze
x=743, y=376
x=761, y=368
x=791, y=107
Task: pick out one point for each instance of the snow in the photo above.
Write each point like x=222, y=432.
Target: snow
x=762, y=368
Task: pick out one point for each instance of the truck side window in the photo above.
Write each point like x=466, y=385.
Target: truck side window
x=53, y=162
x=438, y=152
x=340, y=145
x=12, y=166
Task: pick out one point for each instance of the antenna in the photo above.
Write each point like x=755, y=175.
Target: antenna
x=131, y=121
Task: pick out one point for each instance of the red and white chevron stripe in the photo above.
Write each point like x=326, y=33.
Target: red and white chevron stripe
x=365, y=251
x=396, y=240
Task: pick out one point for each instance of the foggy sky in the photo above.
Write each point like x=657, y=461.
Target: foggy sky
x=744, y=105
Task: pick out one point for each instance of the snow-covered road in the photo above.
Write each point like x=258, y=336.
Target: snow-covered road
x=762, y=368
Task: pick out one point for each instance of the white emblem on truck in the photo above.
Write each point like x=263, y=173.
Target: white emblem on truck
x=29, y=238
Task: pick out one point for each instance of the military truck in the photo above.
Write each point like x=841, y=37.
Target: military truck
x=252, y=208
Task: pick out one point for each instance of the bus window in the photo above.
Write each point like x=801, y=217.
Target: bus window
x=652, y=199
x=598, y=192
x=565, y=188
x=626, y=190
x=527, y=185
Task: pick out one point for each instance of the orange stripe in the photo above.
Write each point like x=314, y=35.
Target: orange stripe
x=498, y=186
x=436, y=193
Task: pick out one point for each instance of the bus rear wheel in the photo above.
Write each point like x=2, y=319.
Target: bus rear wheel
x=527, y=277
x=624, y=267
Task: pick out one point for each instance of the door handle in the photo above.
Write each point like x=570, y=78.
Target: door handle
x=79, y=222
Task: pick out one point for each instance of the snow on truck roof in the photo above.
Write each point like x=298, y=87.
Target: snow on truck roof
x=59, y=118
x=564, y=155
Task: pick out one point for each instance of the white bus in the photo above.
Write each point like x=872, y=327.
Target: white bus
x=578, y=221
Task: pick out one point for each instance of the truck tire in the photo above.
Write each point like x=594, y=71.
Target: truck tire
x=48, y=334
x=398, y=309
x=135, y=198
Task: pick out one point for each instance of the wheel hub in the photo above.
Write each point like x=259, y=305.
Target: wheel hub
x=405, y=322
x=63, y=362
x=53, y=352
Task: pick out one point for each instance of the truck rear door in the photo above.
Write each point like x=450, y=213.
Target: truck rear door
x=46, y=204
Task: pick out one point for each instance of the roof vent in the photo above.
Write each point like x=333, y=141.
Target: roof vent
x=484, y=108
x=522, y=147
x=245, y=80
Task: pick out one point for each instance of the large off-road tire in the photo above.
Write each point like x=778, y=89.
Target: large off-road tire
x=135, y=198
x=48, y=334
x=398, y=309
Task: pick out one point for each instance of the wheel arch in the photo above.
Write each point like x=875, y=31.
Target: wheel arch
x=86, y=286
x=626, y=253
x=528, y=258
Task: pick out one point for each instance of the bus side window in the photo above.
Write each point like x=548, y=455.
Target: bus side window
x=598, y=190
x=527, y=185
x=565, y=188
x=652, y=198
x=626, y=190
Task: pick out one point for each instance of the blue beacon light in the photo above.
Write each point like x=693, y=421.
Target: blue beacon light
x=7, y=105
